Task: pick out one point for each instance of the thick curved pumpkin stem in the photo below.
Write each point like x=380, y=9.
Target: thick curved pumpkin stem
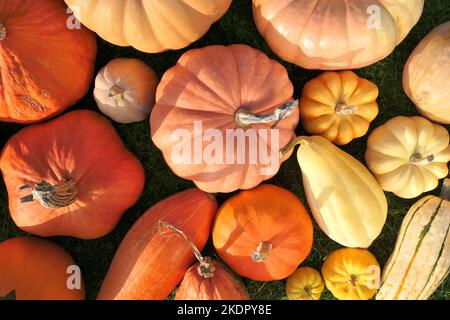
x=418, y=160
x=262, y=251
x=445, y=192
x=206, y=268
x=2, y=32
x=292, y=144
x=244, y=118
x=343, y=109
x=51, y=196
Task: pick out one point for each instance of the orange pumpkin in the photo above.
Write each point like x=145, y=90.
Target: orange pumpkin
x=80, y=175
x=45, y=65
x=37, y=269
x=150, y=261
x=335, y=35
x=264, y=233
x=212, y=98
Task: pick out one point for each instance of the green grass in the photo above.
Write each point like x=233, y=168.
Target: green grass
x=237, y=26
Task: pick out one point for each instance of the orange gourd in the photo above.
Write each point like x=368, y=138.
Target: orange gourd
x=46, y=63
x=263, y=234
x=215, y=97
x=37, y=269
x=70, y=176
x=150, y=262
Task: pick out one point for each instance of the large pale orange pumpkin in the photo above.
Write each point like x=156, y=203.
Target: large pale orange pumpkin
x=215, y=116
x=264, y=233
x=149, y=25
x=151, y=260
x=427, y=73
x=45, y=66
x=80, y=175
x=37, y=269
x=335, y=34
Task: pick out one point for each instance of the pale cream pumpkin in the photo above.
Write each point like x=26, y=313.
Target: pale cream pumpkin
x=427, y=73
x=335, y=34
x=149, y=25
x=346, y=200
x=125, y=90
x=408, y=155
x=338, y=106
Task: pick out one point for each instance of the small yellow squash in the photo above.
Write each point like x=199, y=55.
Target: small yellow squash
x=304, y=284
x=408, y=155
x=338, y=106
x=351, y=274
x=420, y=261
x=346, y=200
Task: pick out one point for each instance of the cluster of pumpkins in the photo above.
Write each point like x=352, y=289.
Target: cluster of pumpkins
x=73, y=176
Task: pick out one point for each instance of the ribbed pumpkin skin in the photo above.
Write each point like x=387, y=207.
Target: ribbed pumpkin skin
x=421, y=257
x=81, y=145
x=36, y=269
x=426, y=74
x=223, y=286
x=45, y=66
x=346, y=200
x=150, y=25
x=148, y=264
x=334, y=34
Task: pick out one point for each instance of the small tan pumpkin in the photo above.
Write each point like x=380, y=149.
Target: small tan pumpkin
x=125, y=90
x=305, y=284
x=338, y=106
x=408, y=155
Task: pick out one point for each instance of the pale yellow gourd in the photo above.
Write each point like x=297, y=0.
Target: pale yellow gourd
x=408, y=155
x=304, y=284
x=346, y=200
x=420, y=261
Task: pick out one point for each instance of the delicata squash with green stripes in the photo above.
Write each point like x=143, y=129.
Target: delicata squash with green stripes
x=421, y=258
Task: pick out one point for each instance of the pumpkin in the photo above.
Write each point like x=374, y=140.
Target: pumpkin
x=222, y=114
x=333, y=35
x=408, y=155
x=71, y=176
x=331, y=179
x=37, y=269
x=351, y=274
x=149, y=25
x=338, y=106
x=125, y=90
x=150, y=262
x=45, y=66
x=208, y=279
x=426, y=74
x=420, y=261
x=304, y=284
x=263, y=234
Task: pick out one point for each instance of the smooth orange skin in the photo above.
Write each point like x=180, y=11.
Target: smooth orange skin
x=82, y=145
x=223, y=286
x=148, y=264
x=45, y=66
x=265, y=213
x=36, y=269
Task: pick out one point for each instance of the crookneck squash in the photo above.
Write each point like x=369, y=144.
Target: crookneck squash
x=346, y=200
x=45, y=65
x=335, y=34
x=152, y=260
x=304, y=284
x=149, y=25
x=338, y=106
x=221, y=116
x=263, y=233
x=420, y=261
x=125, y=90
x=37, y=269
x=408, y=155
x=426, y=75
x=71, y=176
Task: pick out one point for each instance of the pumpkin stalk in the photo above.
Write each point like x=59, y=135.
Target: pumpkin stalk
x=2, y=32
x=244, y=118
x=60, y=195
x=445, y=192
x=262, y=252
x=292, y=144
x=343, y=109
x=418, y=160
x=116, y=92
x=206, y=267
x=307, y=291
